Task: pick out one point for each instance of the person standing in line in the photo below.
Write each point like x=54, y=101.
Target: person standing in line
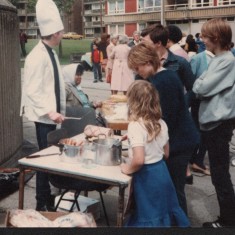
x=232, y=48
x=200, y=43
x=122, y=76
x=156, y=203
x=43, y=94
x=183, y=135
x=191, y=46
x=175, y=35
x=158, y=36
x=136, y=39
x=109, y=49
x=96, y=58
x=23, y=40
x=216, y=90
x=199, y=64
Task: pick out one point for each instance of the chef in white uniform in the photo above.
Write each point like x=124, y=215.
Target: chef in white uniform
x=43, y=94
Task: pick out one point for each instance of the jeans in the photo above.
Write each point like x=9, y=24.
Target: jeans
x=97, y=71
x=200, y=150
x=43, y=190
x=217, y=143
x=199, y=154
x=177, y=165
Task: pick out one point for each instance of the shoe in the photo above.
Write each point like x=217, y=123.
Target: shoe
x=189, y=179
x=215, y=224
x=49, y=205
x=101, y=80
x=95, y=81
x=199, y=169
x=41, y=208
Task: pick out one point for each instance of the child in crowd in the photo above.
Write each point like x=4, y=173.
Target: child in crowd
x=156, y=203
x=96, y=58
x=216, y=90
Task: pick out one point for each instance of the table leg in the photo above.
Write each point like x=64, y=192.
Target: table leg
x=120, y=206
x=21, y=188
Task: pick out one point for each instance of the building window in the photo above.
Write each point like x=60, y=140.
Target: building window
x=116, y=7
x=149, y=5
x=117, y=29
x=226, y=2
x=95, y=6
x=202, y=3
x=142, y=26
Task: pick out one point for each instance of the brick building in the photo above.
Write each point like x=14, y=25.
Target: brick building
x=126, y=16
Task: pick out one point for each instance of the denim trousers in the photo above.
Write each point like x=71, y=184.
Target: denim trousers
x=97, y=71
x=200, y=150
x=217, y=144
x=177, y=165
x=43, y=190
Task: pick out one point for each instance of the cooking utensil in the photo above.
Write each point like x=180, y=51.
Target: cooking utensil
x=42, y=155
x=77, y=118
x=108, y=151
x=73, y=118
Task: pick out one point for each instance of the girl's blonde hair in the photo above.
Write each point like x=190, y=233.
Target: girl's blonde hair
x=143, y=103
x=218, y=30
x=141, y=54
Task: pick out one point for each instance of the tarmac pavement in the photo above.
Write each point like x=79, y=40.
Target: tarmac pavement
x=201, y=197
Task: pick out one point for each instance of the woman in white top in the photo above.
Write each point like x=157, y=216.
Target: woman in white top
x=156, y=203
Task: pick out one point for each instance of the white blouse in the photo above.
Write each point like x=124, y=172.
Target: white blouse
x=137, y=136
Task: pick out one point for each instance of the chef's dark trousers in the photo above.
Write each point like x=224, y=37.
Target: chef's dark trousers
x=43, y=190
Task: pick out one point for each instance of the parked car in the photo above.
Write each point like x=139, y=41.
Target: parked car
x=72, y=35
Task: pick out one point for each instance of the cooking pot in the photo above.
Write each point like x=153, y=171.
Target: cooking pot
x=71, y=154
x=108, y=151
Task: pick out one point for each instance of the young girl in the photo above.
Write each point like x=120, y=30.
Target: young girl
x=156, y=203
x=216, y=89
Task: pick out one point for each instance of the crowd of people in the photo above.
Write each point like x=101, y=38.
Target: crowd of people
x=180, y=102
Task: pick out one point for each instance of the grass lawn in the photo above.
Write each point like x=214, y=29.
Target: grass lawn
x=68, y=47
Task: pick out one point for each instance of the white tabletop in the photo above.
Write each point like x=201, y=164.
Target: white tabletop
x=54, y=163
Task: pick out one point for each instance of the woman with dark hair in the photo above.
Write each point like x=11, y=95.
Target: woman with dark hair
x=191, y=46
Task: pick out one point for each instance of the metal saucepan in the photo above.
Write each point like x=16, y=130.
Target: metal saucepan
x=71, y=150
x=108, y=151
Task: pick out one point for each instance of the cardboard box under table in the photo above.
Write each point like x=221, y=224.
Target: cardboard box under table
x=49, y=215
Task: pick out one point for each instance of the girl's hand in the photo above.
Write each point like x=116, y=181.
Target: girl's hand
x=124, y=137
x=124, y=168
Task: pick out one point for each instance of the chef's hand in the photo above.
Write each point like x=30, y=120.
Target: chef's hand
x=56, y=117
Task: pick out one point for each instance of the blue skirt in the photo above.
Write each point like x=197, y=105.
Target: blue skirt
x=156, y=203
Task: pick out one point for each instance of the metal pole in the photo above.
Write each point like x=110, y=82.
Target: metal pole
x=163, y=13
x=101, y=28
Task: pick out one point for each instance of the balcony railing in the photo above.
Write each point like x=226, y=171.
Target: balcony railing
x=21, y=11
x=184, y=13
x=92, y=24
x=92, y=1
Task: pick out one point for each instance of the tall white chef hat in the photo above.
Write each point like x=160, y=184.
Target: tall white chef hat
x=48, y=17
